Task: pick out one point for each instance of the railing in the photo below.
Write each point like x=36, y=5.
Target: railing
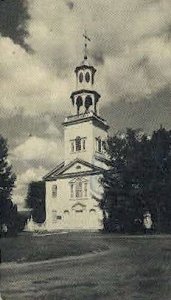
x=84, y=116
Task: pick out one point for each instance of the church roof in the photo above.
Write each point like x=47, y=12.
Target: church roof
x=62, y=170
x=97, y=95
x=85, y=66
x=54, y=171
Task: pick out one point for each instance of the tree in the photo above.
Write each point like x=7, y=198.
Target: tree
x=36, y=200
x=7, y=181
x=120, y=201
x=160, y=182
x=138, y=180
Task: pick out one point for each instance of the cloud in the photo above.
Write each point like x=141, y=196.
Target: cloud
x=40, y=150
x=27, y=85
x=37, y=156
x=13, y=21
x=124, y=34
x=31, y=174
x=130, y=47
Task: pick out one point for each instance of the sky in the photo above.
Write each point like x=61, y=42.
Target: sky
x=41, y=43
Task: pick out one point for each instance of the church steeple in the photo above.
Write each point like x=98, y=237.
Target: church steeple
x=86, y=38
x=85, y=98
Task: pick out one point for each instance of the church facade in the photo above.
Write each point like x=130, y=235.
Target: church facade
x=73, y=188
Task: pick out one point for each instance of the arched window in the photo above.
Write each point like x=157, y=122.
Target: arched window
x=78, y=143
x=87, y=77
x=81, y=77
x=78, y=189
x=88, y=102
x=54, y=190
x=79, y=103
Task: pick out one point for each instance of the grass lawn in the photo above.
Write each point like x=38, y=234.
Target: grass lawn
x=28, y=247
x=135, y=268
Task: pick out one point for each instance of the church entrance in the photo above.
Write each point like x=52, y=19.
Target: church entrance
x=79, y=215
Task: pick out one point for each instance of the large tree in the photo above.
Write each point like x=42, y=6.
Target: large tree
x=36, y=200
x=8, y=211
x=138, y=180
x=159, y=187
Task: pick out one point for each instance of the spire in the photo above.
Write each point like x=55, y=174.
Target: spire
x=86, y=39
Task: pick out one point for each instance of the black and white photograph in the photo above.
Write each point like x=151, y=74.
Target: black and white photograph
x=85, y=150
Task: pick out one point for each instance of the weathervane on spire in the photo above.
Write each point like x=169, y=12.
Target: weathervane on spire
x=86, y=38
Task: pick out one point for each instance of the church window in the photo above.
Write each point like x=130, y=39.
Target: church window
x=78, y=167
x=81, y=77
x=72, y=146
x=72, y=190
x=83, y=140
x=78, y=143
x=78, y=189
x=87, y=77
x=54, y=213
x=85, y=189
x=88, y=102
x=79, y=103
x=54, y=191
x=103, y=146
x=99, y=144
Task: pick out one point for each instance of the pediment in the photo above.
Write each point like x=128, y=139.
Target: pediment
x=78, y=167
x=74, y=168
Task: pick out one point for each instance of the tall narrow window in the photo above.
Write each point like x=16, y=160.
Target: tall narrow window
x=54, y=214
x=78, y=189
x=103, y=146
x=78, y=143
x=84, y=144
x=54, y=190
x=81, y=77
x=87, y=77
x=72, y=146
x=99, y=144
x=85, y=189
x=72, y=190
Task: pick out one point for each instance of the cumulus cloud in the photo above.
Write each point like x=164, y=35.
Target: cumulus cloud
x=27, y=85
x=32, y=174
x=13, y=21
x=39, y=150
x=34, y=151
x=130, y=46
x=124, y=34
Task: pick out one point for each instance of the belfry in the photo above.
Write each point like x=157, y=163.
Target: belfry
x=73, y=189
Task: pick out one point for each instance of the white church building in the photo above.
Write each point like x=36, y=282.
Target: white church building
x=73, y=188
